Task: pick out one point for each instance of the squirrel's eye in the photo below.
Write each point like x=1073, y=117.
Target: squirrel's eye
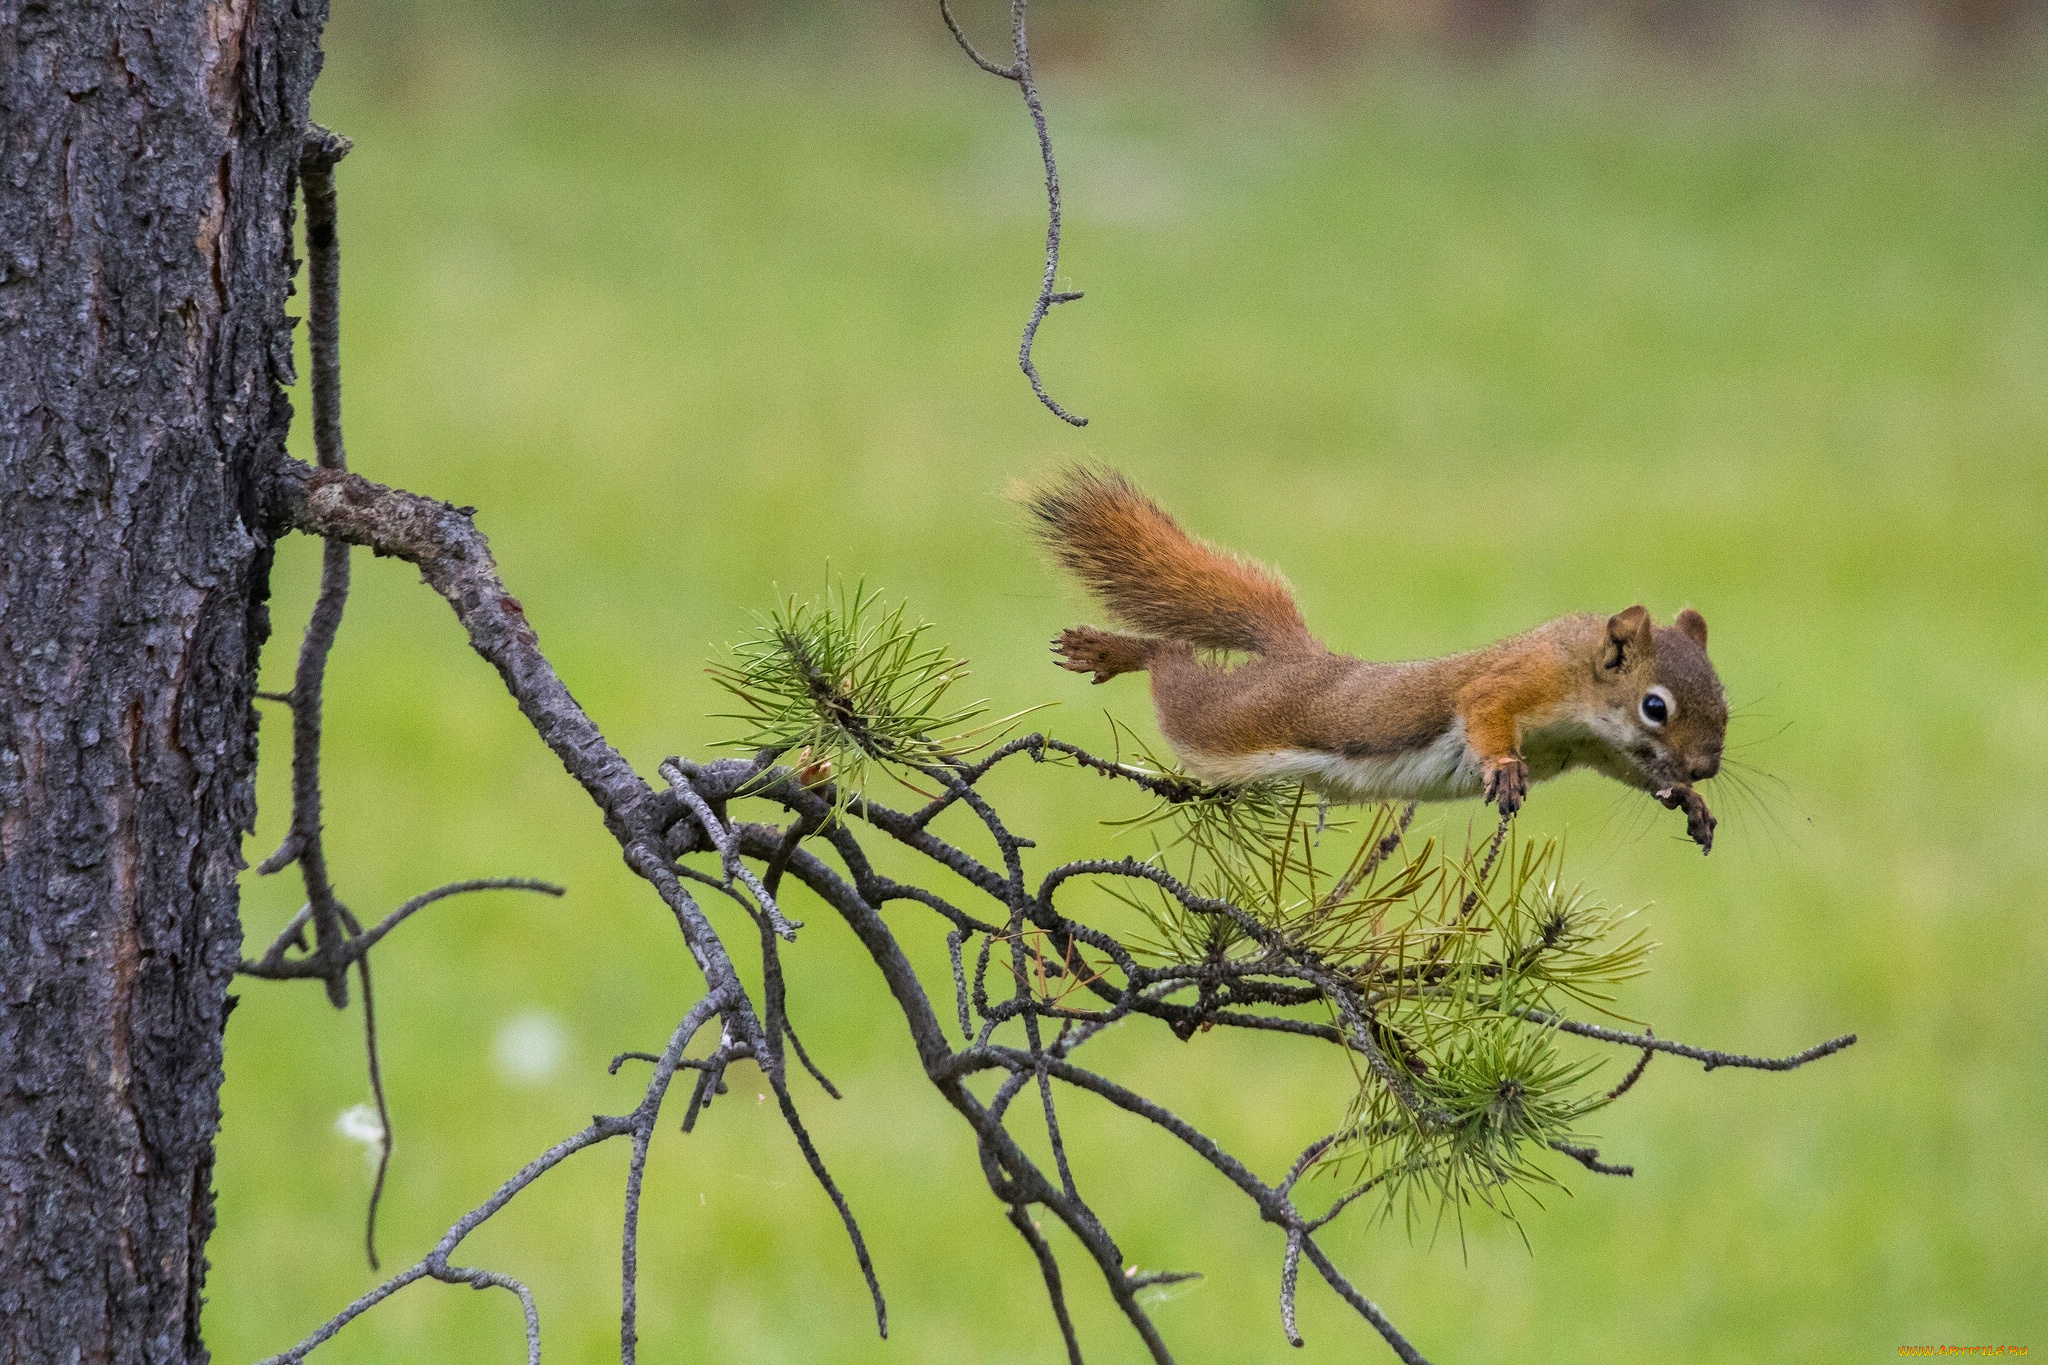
x=1656, y=710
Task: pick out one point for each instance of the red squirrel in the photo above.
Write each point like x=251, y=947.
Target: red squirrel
x=1636, y=701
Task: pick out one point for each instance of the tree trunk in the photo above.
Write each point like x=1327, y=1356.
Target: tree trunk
x=148, y=153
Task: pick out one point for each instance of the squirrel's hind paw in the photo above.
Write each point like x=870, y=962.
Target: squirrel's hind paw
x=1104, y=653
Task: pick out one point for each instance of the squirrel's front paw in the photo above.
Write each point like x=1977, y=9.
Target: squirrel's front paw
x=1699, y=821
x=1507, y=783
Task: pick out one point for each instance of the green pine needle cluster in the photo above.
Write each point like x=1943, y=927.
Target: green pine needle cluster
x=1502, y=1092
x=845, y=683
x=1449, y=995
x=1446, y=957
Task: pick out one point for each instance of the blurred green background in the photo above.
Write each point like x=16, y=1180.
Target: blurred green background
x=1463, y=323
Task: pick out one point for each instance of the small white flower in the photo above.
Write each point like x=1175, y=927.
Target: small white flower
x=358, y=1123
x=531, y=1046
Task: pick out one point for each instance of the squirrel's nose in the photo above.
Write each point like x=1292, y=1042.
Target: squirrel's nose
x=1705, y=768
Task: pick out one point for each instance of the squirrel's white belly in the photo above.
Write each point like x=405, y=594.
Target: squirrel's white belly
x=1443, y=770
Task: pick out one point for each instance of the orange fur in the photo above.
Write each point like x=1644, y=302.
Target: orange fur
x=1514, y=688
x=1153, y=576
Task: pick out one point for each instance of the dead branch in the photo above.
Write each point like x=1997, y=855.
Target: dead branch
x=658, y=830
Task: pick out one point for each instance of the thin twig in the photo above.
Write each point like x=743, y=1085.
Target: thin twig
x=1367, y=1309
x=1500, y=834
x=1708, y=1057
x=1049, y=1268
x=722, y=838
x=318, y=154
x=1589, y=1157
x=275, y=966
x=820, y=1077
x=385, y=1137
x=644, y=1119
x=302, y=844
x=824, y=1178
x=435, y=1263
x=1019, y=70
x=1381, y=851
x=1008, y=73
x=1635, y=1073
x=1290, y=1271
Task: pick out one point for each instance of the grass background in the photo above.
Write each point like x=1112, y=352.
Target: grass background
x=1461, y=344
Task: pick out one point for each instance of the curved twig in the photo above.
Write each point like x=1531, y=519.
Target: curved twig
x=1019, y=71
x=274, y=965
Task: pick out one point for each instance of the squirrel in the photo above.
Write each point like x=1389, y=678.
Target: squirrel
x=1638, y=702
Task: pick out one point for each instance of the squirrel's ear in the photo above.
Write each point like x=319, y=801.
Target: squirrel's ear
x=1628, y=636
x=1694, y=625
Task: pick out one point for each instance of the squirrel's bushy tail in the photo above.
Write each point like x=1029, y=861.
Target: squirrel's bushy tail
x=1154, y=577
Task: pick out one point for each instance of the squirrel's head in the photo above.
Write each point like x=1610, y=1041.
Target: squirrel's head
x=1664, y=705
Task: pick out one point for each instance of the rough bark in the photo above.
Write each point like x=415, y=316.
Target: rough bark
x=147, y=159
